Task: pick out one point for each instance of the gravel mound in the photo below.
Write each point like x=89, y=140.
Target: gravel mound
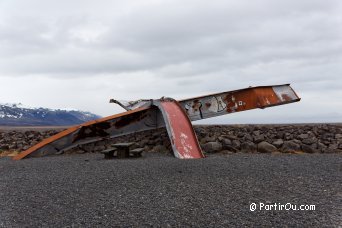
x=159, y=190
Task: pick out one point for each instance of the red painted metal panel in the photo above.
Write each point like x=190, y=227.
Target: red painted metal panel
x=183, y=138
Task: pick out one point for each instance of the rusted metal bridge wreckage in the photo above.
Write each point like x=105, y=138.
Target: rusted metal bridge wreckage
x=176, y=116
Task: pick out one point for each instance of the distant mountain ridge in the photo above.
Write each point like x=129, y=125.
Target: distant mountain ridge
x=19, y=115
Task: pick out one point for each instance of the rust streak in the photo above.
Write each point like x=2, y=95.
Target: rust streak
x=285, y=97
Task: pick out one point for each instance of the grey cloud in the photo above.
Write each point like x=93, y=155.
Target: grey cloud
x=221, y=34
x=175, y=48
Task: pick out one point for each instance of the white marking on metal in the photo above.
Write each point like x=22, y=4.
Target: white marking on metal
x=213, y=105
x=267, y=101
x=186, y=147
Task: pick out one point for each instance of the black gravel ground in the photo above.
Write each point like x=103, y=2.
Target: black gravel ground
x=158, y=190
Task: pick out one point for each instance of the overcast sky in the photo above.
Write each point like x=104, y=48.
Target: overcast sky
x=79, y=54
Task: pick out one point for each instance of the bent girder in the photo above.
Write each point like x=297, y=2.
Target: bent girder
x=238, y=100
x=176, y=116
x=110, y=127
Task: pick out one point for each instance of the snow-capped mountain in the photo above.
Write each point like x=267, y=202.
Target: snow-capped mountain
x=20, y=115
